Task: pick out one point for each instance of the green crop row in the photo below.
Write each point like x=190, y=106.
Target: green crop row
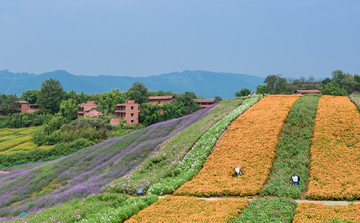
x=292, y=153
x=193, y=161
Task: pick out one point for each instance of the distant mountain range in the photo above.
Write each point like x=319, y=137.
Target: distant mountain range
x=203, y=83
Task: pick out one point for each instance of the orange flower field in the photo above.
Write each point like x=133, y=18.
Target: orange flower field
x=250, y=143
x=188, y=209
x=307, y=212
x=335, y=151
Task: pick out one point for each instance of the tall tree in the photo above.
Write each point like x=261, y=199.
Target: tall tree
x=172, y=110
x=188, y=100
x=150, y=114
x=338, y=76
x=50, y=96
x=68, y=109
x=260, y=89
x=107, y=101
x=275, y=84
x=242, y=92
x=138, y=92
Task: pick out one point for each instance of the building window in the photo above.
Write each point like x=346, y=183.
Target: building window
x=132, y=107
x=132, y=121
x=132, y=114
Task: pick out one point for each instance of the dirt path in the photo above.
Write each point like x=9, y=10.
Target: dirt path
x=297, y=201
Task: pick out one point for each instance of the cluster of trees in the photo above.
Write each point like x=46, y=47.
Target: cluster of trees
x=58, y=120
x=340, y=84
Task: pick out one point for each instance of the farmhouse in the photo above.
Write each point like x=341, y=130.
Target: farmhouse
x=89, y=109
x=129, y=111
x=307, y=92
x=160, y=100
x=205, y=102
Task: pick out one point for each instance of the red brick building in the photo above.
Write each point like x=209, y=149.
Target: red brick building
x=204, y=103
x=129, y=111
x=89, y=109
x=307, y=92
x=160, y=100
x=25, y=107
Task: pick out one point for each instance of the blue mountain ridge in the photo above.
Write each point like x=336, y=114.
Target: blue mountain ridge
x=204, y=83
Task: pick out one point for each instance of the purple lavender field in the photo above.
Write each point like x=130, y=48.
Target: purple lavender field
x=33, y=187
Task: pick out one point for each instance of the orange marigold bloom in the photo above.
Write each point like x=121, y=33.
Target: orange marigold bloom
x=335, y=151
x=189, y=209
x=308, y=212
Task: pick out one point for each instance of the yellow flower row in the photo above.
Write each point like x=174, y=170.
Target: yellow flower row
x=189, y=209
x=14, y=142
x=250, y=143
x=307, y=212
x=335, y=151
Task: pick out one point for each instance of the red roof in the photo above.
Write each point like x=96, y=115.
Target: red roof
x=307, y=91
x=161, y=97
x=204, y=100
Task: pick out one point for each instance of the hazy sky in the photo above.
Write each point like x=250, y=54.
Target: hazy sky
x=142, y=37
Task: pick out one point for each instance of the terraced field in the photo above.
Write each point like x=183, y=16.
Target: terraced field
x=12, y=140
x=273, y=139
x=250, y=142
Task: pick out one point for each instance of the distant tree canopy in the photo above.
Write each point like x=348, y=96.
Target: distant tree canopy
x=150, y=114
x=340, y=84
x=242, y=92
x=50, y=96
x=188, y=101
x=218, y=99
x=260, y=89
x=68, y=109
x=138, y=92
x=77, y=98
x=333, y=88
x=173, y=110
x=107, y=101
x=30, y=96
x=275, y=84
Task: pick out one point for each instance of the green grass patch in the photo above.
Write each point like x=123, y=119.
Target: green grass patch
x=292, y=153
x=279, y=209
x=96, y=208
